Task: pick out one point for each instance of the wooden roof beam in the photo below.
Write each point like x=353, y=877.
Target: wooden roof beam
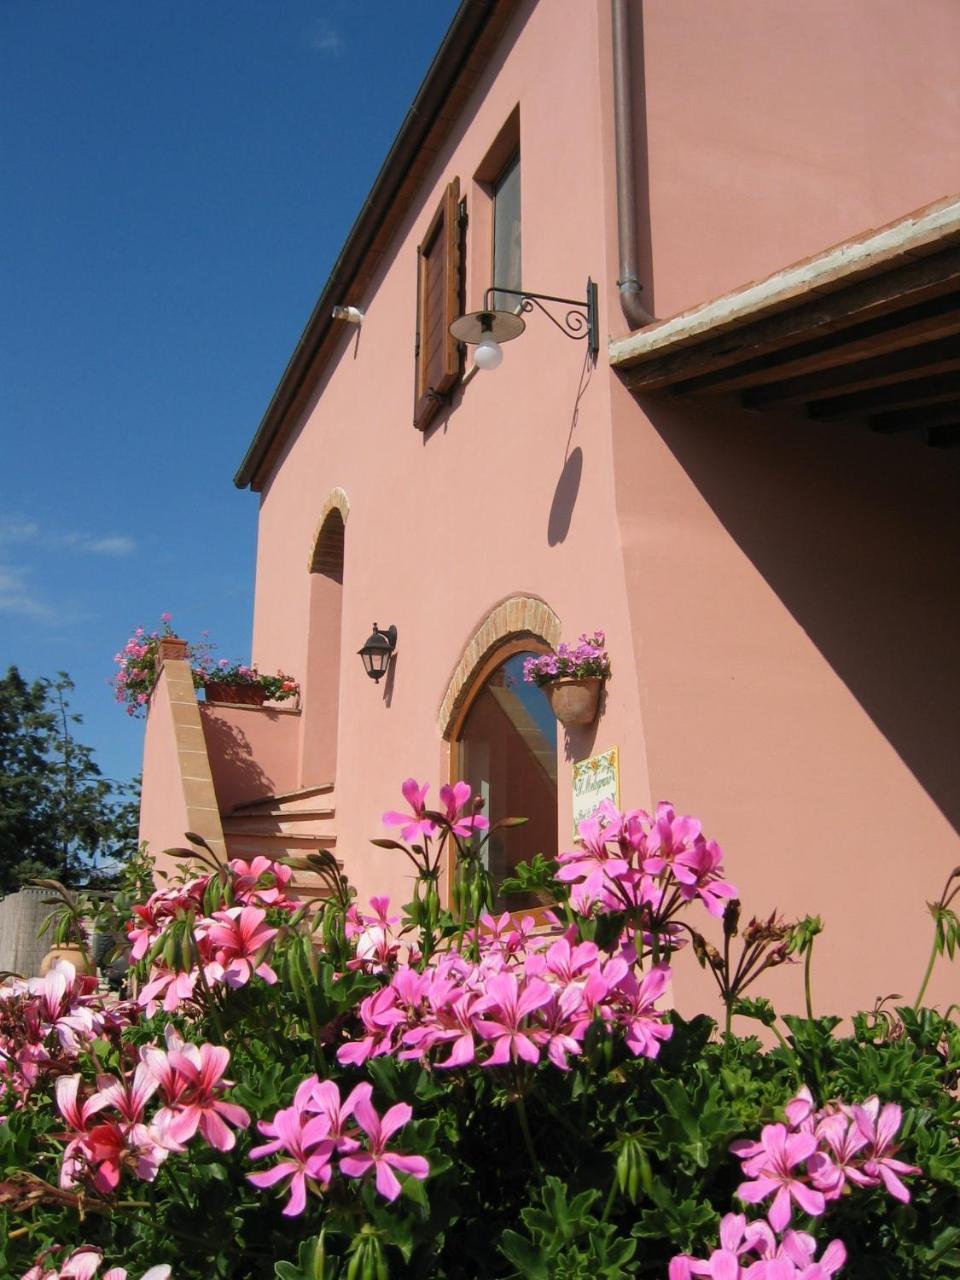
x=938, y=415
x=922, y=391
x=913, y=282
x=879, y=371
x=926, y=322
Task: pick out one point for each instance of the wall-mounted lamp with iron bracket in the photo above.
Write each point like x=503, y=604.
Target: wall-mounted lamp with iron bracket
x=486, y=329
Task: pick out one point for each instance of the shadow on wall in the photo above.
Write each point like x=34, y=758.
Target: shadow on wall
x=859, y=536
x=237, y=778
x=568, y=485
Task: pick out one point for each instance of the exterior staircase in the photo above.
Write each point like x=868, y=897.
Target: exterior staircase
x=288, y=825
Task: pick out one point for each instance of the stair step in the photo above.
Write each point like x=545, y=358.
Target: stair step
x=240, y=814
x=296, y=840
x=284, y=798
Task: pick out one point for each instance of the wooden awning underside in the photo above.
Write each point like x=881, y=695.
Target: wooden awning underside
x=868, y=330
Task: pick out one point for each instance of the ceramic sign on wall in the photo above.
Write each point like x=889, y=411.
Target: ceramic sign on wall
x=594, y=780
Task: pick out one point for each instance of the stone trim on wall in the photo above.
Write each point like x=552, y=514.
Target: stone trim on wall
x=196, y=779
x=514, y=617
x=336, y=500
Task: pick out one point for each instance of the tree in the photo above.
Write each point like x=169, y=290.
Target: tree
x=59, y=816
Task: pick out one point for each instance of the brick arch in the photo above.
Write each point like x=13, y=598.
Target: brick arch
x=512, y=619
x=336, y=500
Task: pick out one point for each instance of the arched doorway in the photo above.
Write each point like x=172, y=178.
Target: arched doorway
x=504, y=744
x=318, y=759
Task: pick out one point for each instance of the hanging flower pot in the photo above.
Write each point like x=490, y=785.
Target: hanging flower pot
x=574, y=699
x=244, y=695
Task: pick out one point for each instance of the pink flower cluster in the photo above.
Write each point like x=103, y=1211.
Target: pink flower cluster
x=588, y=658
x=83, y=1264
x=228, y=926
x=632, y=861
x=811, y=1160
x=137, y=666
x=817, y=1154
x=44, y=1025
x=528, y=996
x=108, y=1132
x=457, y=812
x=315, y=1131
x=751, y=1251
x=376, y=944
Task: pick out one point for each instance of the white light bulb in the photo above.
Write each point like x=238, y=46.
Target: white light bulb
x=487, y=354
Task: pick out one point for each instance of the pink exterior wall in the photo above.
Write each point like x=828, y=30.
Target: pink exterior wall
x=776, y=129
x=163, y=808
x=253, y=752
x=778, y=596
x=443, y=526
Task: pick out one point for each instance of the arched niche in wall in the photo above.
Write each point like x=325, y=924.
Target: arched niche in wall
x=318, y=761
x=503, y=735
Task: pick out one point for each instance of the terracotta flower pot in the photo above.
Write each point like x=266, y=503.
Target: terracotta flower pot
x=79, y=957
x=244, y=695
x=170, y=647
x=574, y=700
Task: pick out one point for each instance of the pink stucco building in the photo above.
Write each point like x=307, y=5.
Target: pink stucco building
x=750, y=489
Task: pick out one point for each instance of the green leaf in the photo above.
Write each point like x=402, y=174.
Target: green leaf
x=526, y=1257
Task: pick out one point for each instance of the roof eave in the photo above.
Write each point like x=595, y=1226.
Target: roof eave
x=469, y=23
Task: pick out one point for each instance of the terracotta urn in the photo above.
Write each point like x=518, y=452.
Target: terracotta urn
x=244, y=695
x=574, y=700
x=78, y=956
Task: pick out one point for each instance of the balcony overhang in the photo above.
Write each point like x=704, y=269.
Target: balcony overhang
x=867, y=330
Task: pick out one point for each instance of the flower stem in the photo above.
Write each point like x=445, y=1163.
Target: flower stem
x=527, y=1139
x=934, y=952
x=806, y=980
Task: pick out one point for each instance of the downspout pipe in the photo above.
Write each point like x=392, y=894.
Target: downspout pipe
x=631, y=290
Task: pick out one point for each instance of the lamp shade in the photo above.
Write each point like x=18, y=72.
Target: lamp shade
x=500, y=326
x=377, y=652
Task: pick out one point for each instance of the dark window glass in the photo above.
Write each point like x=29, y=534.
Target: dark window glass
x=506, y=235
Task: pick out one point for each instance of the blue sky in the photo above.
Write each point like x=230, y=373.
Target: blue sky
x=176, y=181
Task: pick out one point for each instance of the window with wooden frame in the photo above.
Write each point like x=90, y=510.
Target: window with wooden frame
x=495, y=221
x=438, y=305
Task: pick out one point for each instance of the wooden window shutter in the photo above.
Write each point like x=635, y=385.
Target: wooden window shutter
x=438, y=305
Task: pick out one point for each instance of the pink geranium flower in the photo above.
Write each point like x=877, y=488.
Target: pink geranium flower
x=645, y=1026
x=454, y=798
x=378, y=1131
x=191, y=1078
x=418, y=827
x=307, y=1150
x=240, y=940
x=770, y=1164
x=510, y=1005
x=879, y=1126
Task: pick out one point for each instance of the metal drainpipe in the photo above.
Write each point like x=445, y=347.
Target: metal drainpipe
x=631, y=290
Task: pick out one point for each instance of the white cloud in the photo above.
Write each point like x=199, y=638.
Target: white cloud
x=325, y=39
x=18, y=532
x=116, y=546
x=16, y=598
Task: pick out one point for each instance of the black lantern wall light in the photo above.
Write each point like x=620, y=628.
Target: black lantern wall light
x=486, y=329
x=378, y=651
